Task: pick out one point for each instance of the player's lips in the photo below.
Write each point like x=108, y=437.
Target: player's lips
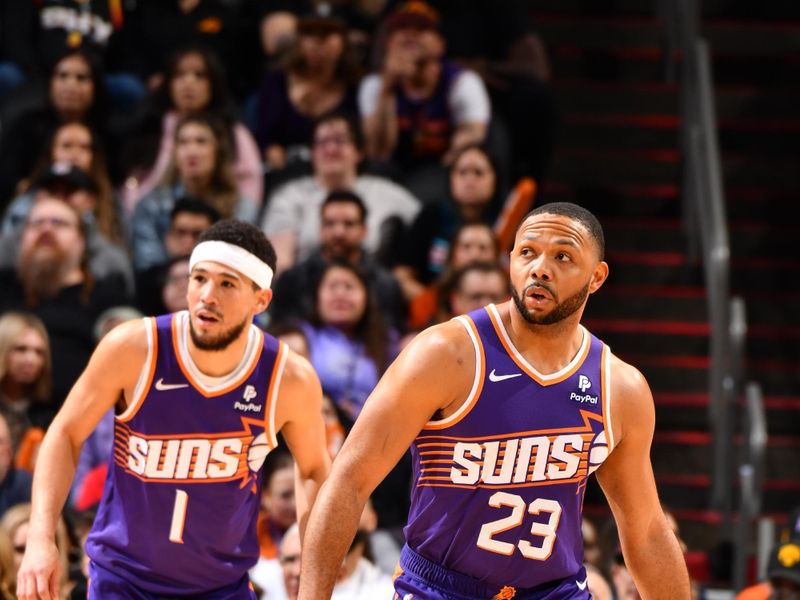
x=538, y=293
x=207, y=316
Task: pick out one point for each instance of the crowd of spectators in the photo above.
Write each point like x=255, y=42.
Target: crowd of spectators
x=375, y=142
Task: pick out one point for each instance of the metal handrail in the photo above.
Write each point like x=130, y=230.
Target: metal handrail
x=705, y=218
x=751, y=476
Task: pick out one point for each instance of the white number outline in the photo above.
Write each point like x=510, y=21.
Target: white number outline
x=547, y=530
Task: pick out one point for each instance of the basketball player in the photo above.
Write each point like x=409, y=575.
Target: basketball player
x=200, y=397
x=508, y=410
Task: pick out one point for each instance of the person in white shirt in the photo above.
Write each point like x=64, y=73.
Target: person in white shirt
x=292, y=218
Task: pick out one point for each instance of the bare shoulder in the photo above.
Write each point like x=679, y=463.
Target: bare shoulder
x=632, y=400
x=126, y=345
x=447, y=342
x=298, y=372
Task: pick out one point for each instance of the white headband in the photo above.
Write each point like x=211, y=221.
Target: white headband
x=235, y=257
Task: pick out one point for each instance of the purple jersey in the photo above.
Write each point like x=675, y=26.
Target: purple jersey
x=179, y=508
x=499, y=484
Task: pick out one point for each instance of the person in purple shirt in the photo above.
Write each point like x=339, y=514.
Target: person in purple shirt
x=200, y=396
x=508, y=410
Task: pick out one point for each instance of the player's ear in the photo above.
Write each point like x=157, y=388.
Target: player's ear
x=599, y=276
x=263, y=298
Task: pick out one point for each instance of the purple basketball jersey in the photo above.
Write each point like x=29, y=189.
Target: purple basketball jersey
x=179, y=508
x=499, y=484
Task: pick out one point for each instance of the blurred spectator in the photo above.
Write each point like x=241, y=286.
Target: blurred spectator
x=45, y=29
x=15, y=523
x=472, y=242
x=8, y=574
x=473, y=190
x=25, y=374
x=202, y=167
x=72, y=143
x=474, y=286
x=291, y=333
x=188, y=219
x=496, y=40
x=68, y=183
x=15, y=484
x=342, y=233
x=291, y=220
x=422, y=108
x=290, y=562
x=75, y=91
x=278, y=515
x=52, y=281
x=350, y=342
x=318, y=77
x=783, y=575
x=156, y=29
x=592, y=553
x=597, y=584
x=359, y=578
x=195, y=81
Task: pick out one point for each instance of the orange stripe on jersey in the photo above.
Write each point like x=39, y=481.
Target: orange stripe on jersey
x=586, y=428
x=197, y=385
x=420, y=482
x=463, y=411
x=137, y=402
x=513, y=354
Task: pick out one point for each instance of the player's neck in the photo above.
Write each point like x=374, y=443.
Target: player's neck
x=219, y=363
x=548, y=348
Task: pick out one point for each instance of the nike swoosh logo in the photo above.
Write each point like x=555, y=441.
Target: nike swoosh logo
x=164, y=387
x=581, y=584
x=495, y=378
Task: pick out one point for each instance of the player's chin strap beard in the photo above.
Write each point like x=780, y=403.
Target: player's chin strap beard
x=235, y=257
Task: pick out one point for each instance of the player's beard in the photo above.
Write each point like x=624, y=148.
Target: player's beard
x=560, y=311
x=219, y=342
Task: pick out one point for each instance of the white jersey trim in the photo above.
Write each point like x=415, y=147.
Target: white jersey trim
x=283, y=351
x=579, y=356
x=145, y=375
x=607, y=394
x=476, y=382
x=206, y=383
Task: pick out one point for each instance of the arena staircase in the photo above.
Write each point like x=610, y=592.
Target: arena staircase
x=619, y=156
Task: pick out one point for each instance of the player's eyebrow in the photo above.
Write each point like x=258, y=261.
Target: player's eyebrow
x=228, y=274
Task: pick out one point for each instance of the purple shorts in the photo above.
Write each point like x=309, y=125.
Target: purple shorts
x=105, y=585
x=421, y=579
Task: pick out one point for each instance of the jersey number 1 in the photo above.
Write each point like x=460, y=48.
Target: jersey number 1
x=178, y=517
x=517, y=506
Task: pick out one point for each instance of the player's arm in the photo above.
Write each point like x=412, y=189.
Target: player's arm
x=650, y=548
x=433, y=372
x=113, y=368
x=299, y=418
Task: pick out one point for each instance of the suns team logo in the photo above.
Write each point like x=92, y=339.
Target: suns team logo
x=191, y=458
x=516, y=460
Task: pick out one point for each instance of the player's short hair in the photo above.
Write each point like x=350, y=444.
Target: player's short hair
x=576, y=213
x=348, y=197
x=246, y=236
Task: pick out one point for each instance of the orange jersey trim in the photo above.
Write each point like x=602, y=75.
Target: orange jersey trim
x=513, y=353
